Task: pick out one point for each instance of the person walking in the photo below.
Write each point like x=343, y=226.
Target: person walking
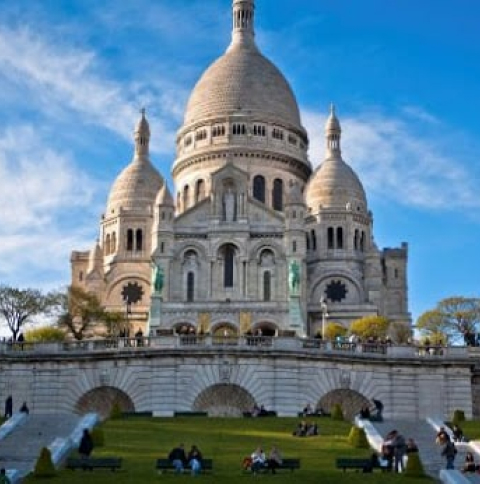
x=449, y=452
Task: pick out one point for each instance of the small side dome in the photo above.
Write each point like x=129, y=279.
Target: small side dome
x=137, y=186
x=334, y=183
x=164, y=197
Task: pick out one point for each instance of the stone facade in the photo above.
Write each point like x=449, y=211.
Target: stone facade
x=227, y=380
x=246, y=210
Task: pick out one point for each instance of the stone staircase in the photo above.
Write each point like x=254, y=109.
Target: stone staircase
x=430, y=452
x=20, y=449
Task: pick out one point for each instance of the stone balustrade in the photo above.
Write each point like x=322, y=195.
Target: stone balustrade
x=244, y=343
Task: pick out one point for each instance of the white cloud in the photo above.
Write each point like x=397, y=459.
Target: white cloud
x=59, y=76
x=395, y=161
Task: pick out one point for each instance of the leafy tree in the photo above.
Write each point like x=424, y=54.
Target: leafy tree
x=401, y=333
x=370, y=326
x=80, y=310
x=19, y=306
x=333, y=330
x=453, y=317
x=114, y=322
x=44, y=334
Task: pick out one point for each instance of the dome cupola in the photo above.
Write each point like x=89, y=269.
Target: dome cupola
x=138, y=184
x=334, y=184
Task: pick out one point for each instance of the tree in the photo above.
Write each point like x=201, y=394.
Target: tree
x=370, y=326
x=44, y=334
x=453, y=317
x=333, y=330
x=80, y=310
x=19, y=306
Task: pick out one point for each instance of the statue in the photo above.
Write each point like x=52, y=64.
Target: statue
x=157, y=277
x=294, y=276
x=229, y=205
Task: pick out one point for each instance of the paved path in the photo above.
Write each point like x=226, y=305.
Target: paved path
x=430, y=452
x=21, y=448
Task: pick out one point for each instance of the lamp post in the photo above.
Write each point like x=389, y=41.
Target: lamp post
x=128, y=311
x=324, y=309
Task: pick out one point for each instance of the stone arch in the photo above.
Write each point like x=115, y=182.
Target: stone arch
x=101, y=399
x=350, y=401
x=268, y=328
x=224, y=328
x=224, y=400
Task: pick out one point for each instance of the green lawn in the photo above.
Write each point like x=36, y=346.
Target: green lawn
x=142, y=440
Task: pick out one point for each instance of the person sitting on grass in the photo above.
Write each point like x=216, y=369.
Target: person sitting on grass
x=259, y=460
x=178, y=458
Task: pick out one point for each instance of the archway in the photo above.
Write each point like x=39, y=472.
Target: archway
x=350, y=401
x=265, y=328
x=101, y=400
x=224, y=400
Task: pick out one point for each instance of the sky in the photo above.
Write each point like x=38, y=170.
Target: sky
x=403, y=74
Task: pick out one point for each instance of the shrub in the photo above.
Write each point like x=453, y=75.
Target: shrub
x=44, y=466
x=458, y=416
x=115, y=411
x=358, y=439
x=45, y=334
x=414, y=466
x=337, y=413
x=98, y=437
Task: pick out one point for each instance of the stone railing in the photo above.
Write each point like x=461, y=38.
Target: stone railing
x=245, y=342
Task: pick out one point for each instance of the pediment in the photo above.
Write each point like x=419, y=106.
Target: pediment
x=196, y=216
x=261, y=216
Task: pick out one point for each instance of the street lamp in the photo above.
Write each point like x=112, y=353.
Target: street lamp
x=324, y=309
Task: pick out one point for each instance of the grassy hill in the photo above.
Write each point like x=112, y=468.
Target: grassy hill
x=141, y=441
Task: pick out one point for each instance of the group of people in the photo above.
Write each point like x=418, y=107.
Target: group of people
x=376, y=414
x=9, y=407
x=449, y=451
x=394, y=449
x=182, y=461
x=306, y=429
x=258, y=411
x=259, y=461
x=308, y=410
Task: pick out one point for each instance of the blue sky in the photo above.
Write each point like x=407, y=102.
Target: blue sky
x=403, y=74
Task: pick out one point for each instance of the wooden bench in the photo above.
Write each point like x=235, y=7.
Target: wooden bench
x=357, y=464
x=164, y=465
x=287, y=464
x=136, y=414
x=190, y=414
x=90, y=463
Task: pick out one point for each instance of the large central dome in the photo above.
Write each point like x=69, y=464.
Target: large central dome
x=242, y=81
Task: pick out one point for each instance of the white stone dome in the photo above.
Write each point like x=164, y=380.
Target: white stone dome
x=243, y=81
x=334, y=184
x=136, y=187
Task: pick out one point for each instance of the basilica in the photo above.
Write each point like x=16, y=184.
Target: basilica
x=249, y=239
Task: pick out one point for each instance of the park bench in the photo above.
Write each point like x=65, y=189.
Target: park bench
x=164, y=465
x=287, y=464
x=90, y=463
x=356, y=463
x=136, y=414
x=190, y=414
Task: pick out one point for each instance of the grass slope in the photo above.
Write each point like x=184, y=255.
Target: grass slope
x=141, y=441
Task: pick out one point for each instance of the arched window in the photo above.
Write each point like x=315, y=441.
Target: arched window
x=355, y=240
x=80, y=276
x=314, y=239
x=277, y=195
x=307, y=241
x=267, y=286
x=228, y=261
x=113, y=243
x=162, y=247
x=129, y=239
x=186, y=197
x=362, y=241
x=259, y=188
x=199, y=191
x=107, y=249
x=190, y=287
x=294, y=246
x=339, y=238
x=330, y=238
x=139, y=240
